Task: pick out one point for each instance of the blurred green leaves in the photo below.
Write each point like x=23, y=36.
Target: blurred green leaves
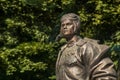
x=28, y=29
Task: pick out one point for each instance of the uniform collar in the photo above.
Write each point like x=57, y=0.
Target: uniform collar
x=79, y=41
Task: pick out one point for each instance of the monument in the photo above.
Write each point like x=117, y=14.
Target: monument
x=81, y=58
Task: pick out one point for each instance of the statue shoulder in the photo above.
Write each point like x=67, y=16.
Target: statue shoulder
x=91, y=40
x=64, y=46
x=87, y=41
x=102, y=47
x=94, y=44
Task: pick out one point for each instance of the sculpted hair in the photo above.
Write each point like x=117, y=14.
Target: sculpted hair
x=76, y=21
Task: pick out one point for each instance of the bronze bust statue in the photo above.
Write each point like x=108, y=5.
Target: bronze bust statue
x=81, y=59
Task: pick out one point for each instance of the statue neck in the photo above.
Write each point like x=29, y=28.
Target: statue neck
x=74, y=38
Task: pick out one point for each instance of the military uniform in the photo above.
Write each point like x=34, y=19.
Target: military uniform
x=84, y=60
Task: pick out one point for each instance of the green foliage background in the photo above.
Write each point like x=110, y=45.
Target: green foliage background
x=28, y=29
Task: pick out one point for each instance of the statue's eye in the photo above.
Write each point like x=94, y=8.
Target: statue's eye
x=69, y=24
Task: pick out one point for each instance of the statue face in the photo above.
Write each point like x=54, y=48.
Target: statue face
x=67, y=28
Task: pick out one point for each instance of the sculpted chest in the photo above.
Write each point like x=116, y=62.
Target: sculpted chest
x=69, y=56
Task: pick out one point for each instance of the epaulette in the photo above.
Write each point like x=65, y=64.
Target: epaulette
x=81, y=42
x=85, y=40
x=91, y=40
x=103, y=48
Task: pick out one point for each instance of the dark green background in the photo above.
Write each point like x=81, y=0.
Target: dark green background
x=28, y=29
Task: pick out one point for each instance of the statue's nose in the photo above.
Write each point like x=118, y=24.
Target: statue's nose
x=65, y=26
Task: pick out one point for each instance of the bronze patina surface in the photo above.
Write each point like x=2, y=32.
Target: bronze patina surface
x=82, y=58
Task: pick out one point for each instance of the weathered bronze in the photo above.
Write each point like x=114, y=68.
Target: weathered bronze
x=82, y=59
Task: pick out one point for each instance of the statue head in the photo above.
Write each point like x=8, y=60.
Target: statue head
x=72, y=21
